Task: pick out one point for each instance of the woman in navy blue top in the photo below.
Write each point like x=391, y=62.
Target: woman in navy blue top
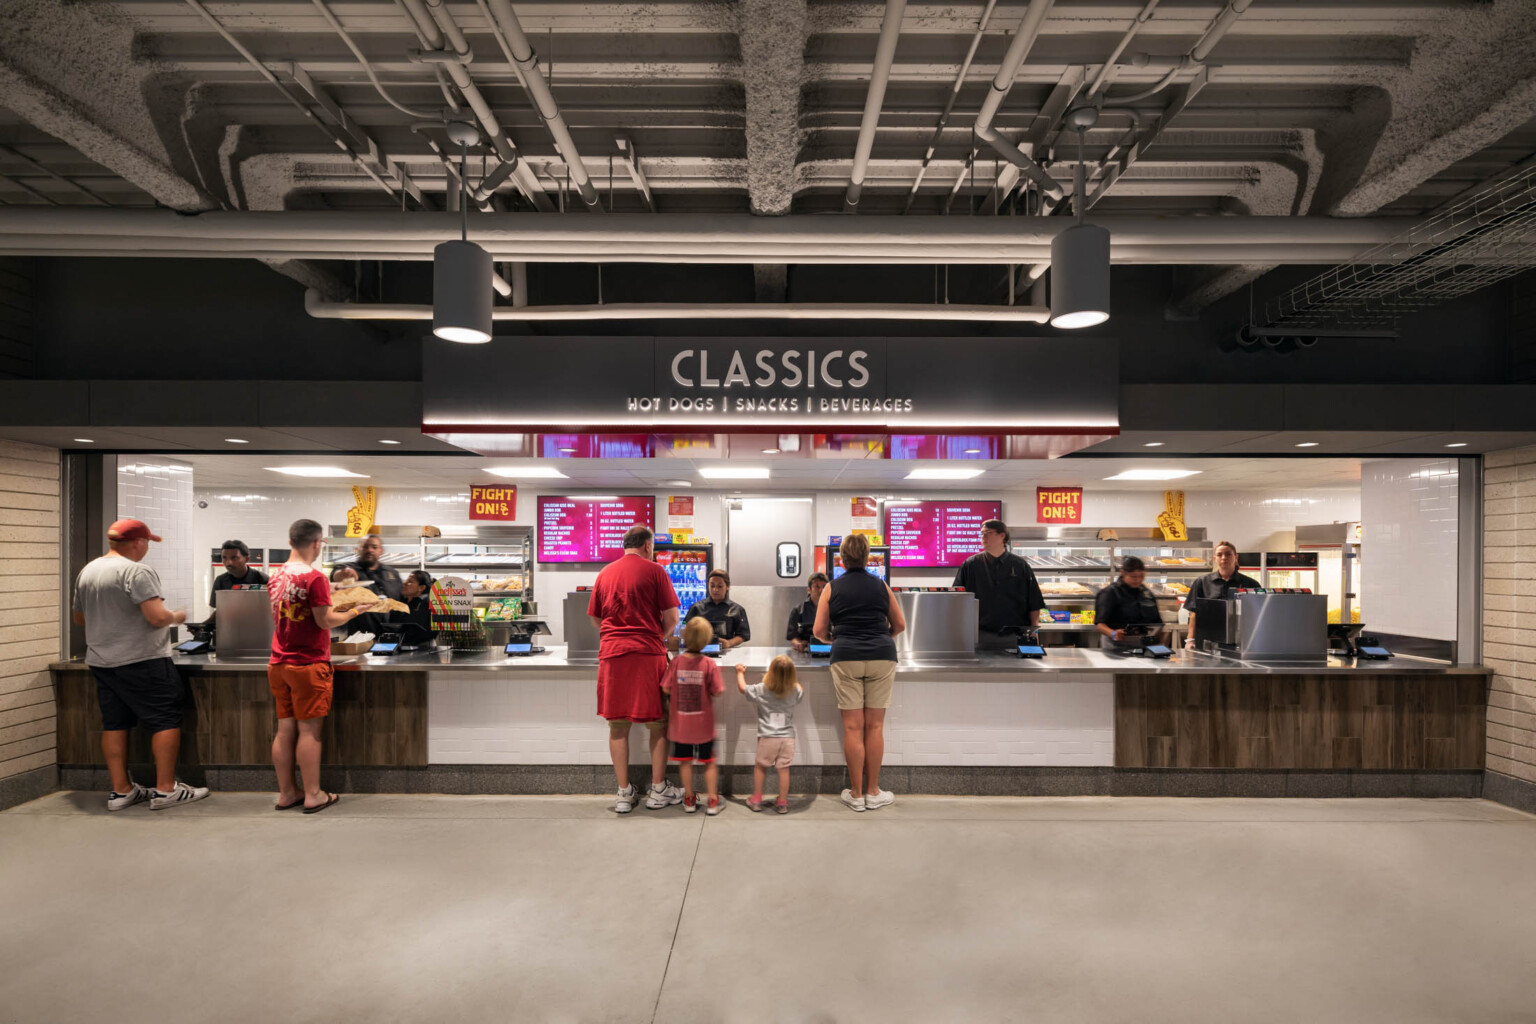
x=861, y=617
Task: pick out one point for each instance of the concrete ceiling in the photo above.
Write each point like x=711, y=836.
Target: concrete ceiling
x=1303, y=108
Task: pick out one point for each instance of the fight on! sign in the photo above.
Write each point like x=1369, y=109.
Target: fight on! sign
x=1059, y=506
x=496, y=503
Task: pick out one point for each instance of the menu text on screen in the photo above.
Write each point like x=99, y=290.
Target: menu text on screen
x=936, y=534
x=577, y=529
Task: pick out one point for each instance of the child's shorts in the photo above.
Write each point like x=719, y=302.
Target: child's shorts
x=693, y=753
x=775, y=751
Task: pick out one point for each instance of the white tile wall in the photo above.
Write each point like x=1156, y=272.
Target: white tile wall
x=159, y=491
x=1408, y=513
x=1066, y=721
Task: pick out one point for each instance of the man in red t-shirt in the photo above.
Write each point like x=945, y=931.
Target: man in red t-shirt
x=634, y=608
x=299, y=673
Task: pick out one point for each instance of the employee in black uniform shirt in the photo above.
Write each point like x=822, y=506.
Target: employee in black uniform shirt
x=386, y=581
x=1126, y=602
x=1217, y=585
x=802, y=618
x=728, y=618
x=413, y=591
x=1004, y=585
x=237, y=574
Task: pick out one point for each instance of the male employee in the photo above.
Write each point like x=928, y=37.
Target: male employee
x=803, y=617
x=1217, y=585
x=237, y=574
x=726, y=617
x=386, y=580
x=1004, y=584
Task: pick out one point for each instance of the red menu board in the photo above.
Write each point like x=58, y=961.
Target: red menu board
x=590, y=529
x=935, y=534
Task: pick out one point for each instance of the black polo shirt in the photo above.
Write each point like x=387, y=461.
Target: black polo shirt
x=1212, y=587
x=1118, y=606
x=226, y=581
x=801, y=620
x=385, y=579
x=1005, y=587
x=727, y=618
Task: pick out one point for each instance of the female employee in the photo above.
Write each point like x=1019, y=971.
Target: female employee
x=1126, y=602
x=413, y=591
x=726, y=617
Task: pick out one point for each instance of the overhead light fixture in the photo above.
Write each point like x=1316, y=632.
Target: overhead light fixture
x=528, y=472
x=944, y=474
x=1153, y=444
x=1153, y=474
x=462, y=270
x=770, y=451
x=85, y=440
x=315, y=471
x=568, y=451
x=1080, y=254
x=237, y=440
x=1457, y=444
x=595, y=497
x=734, y=473
x=386, y=440
x=677, y=483
x=1307, y=444
x=973, y=451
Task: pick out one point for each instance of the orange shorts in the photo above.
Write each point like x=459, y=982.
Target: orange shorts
x=301, y=691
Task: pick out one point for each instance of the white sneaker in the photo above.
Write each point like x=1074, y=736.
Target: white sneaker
x=856, y=802
x=665, y=796
x=181, y=793
x=118, y=801
x=879, y=798
x=626, y=800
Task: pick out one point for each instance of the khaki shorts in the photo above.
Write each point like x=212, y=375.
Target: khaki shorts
x=863, y=684
x=775, y=751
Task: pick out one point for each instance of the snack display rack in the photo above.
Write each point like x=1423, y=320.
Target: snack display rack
x=496, y=558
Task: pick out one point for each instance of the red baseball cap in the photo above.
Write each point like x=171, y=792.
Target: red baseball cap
x=129, y=529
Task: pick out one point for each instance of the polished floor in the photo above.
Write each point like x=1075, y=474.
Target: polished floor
x=406, y=908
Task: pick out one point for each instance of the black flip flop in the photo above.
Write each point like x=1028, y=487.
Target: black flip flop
x=334, y=797
x=288, y=807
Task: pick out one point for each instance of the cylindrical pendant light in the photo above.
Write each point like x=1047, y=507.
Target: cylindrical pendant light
x=1080, y=254
x=462, y=270
x=461, y=292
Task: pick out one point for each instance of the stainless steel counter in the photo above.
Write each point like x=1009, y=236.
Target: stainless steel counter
x=986, y=664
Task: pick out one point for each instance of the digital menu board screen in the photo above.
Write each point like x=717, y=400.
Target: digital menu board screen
x=576, y=529
x=936, y=534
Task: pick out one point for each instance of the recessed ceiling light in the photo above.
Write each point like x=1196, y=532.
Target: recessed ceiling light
x=86, y=440
x=677, y=483
x=1457, y=444
x=568, y=451
x=1153, y=444
x=770, y=451
x=944, y=474
x=528, y=472
x=973, y=451
x=237, y=440
x=1306, y=444
x=388, y=440
x=734, y=473
x=315, y=471
x=1153, y=474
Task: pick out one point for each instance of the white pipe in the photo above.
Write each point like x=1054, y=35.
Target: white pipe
x=1142, y=17
x=1218, y=29
x=519, y=284
x=318, y=307
x=949, y=103
x=509, y=33
x=1018, y=49
x=879, y=75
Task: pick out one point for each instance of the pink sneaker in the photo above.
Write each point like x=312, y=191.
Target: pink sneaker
x=782, y=806
x=754, y=803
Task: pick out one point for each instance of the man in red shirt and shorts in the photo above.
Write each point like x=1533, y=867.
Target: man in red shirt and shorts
x=634, y=608
x=299, y=673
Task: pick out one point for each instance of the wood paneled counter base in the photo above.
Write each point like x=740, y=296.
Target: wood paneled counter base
x=1386, y=722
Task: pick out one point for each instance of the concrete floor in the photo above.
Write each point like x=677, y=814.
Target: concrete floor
x=406, y=908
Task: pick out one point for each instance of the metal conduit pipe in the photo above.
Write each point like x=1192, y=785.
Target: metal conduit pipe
x=514, y=43
x=949, y=103
x=1099, y=80
x=1219, y=28
x=1018, y=49
x=879, y=75
x=318, y=307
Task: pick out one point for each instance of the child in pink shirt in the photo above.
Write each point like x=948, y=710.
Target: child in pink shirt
x=693, y=682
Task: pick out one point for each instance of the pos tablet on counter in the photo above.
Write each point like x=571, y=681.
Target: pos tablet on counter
x=821, y=650
x=713, y=650
x=1031, y=651
x=192, y=647
x=520, y=648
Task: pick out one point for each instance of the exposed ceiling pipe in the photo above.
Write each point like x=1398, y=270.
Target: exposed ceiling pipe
x=1101, y=80
x=432, y=28
x=1219, y=27
x=949, y=103
x=879, y=75
x=1018, y=49
x=318, y=307
x=514, y=43
x=690, y=238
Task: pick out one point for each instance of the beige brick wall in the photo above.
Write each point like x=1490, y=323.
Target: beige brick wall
x=29, y=604
x=1509, y=609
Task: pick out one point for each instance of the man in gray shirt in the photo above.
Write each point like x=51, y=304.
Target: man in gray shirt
x=128, y=649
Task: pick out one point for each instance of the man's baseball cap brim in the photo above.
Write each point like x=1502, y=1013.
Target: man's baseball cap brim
x=130, y=529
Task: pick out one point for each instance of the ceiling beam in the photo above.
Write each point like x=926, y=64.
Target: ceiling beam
x=772, y=35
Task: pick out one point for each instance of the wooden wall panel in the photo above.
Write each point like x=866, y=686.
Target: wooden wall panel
x=377, y=718
x=1381, y=722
